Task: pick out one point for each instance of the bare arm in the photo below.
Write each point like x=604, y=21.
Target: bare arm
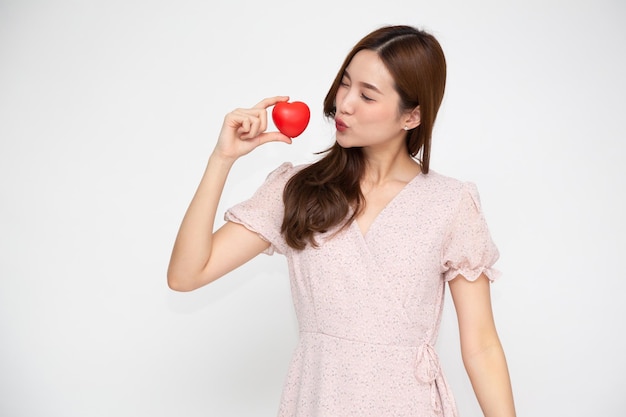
x=481, y=349
x=200, y=255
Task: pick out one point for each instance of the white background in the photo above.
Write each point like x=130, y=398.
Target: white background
x=109, y=110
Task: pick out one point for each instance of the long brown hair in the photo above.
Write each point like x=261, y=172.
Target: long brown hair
x=321, y=195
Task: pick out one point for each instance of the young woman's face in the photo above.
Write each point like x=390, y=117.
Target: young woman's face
x=367, y=104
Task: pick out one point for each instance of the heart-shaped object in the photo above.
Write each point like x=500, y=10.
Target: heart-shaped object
x=291, y=118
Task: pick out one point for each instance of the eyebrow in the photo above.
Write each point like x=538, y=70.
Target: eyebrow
x=363, y=84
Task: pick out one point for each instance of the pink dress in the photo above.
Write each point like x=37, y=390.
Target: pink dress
x=369, y=307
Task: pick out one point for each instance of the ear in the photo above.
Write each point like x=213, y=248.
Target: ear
x=413, y=118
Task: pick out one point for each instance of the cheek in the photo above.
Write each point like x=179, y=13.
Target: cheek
x=383, y=117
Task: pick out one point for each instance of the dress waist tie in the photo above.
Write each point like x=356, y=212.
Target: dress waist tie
x=428, y=370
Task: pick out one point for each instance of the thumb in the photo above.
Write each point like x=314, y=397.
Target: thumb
x=274, y=137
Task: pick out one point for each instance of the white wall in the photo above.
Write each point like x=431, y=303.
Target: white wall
x=109, y=109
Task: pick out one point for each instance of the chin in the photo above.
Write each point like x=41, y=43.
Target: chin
x=344, y=142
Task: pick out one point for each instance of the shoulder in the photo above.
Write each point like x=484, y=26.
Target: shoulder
x=450, y=191
x=445, y=184
x=285, y=171
x=459, y=194
x=277, y=178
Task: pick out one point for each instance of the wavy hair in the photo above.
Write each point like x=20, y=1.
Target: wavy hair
x=321, y=196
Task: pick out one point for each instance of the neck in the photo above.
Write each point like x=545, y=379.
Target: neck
x=389, y=165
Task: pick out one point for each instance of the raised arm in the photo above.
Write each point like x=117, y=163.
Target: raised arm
x=201, y=255
x=481, y=349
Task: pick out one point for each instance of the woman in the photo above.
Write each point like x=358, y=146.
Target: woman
x=371, y=236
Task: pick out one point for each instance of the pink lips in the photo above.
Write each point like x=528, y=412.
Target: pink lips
x=340, y=126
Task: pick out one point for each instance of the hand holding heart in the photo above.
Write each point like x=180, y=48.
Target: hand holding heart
x=245, y=129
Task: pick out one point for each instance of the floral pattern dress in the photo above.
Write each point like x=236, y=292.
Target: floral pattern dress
x=369, y=306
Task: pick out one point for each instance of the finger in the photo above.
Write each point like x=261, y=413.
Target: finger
x=236, y=119
x=256, y=119
x=270, y=101
x=273, y=137
x=255, y=128
x=244, y=128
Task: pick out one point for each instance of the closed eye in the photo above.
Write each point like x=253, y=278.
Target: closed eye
x=345, y=83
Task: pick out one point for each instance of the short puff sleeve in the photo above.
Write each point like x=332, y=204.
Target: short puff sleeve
x=263, y=212
x=468, y=248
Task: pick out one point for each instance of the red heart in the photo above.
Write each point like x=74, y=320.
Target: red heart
x=291, y=118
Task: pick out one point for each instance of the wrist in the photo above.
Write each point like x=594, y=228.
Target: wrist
x=221, y=160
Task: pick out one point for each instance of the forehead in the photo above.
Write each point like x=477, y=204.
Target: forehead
x=366, y=66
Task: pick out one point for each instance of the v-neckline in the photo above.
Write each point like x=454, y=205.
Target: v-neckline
x=385, y=208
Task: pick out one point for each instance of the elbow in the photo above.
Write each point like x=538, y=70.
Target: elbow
x=179, y=283
x=176, y=285
x=183, y=278
x=483, y=356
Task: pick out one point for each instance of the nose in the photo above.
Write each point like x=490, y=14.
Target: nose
x=345, y=101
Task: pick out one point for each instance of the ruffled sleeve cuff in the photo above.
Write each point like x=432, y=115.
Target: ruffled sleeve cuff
x=468, y=249
x=473, y=274
x=263, y=212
